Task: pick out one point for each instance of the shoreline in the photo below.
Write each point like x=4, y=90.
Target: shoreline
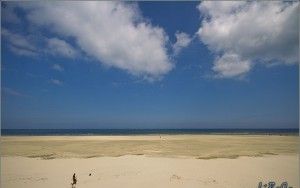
x=156, y=134
x=145, y=132
x=143, y=135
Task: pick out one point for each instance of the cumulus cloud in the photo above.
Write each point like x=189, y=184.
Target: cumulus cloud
x=182, y=41
x=249, y=32
x=57, y=67
x=114, y=33
x=57, y=46
x=230, y=65
x=56, y=82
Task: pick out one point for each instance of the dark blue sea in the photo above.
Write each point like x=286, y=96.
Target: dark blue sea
x=57, y=132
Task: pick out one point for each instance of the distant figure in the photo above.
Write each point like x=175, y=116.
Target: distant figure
x=74, y=180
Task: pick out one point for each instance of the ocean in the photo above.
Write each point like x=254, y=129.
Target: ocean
x=57, y=132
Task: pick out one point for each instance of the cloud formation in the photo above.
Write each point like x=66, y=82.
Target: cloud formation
x=27, y=45
x=243, y=33
x=57, y=46
x=8, y=13
x=113, y=33
x=19, y=44
x=182, y=41
x=56, y=82
x=58, y=68
x=230, y=65
x=13, y=92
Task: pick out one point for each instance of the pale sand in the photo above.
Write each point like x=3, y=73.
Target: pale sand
x=149, y=172
x=149, y=161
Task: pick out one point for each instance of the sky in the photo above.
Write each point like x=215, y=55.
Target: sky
x=119, y=65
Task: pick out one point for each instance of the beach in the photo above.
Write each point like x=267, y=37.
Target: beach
x=149, y=161
x=149, y=94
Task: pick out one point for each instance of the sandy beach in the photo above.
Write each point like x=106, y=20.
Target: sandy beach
x=149, y=161
x=149, y=94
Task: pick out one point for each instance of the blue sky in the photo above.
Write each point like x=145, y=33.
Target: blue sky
x=149, y=65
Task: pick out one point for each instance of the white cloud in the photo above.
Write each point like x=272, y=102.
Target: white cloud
x=8, y=13
x=114, y=33
x=21, y=45
x=57, y=46
x=57, y=67
x=182, y=41
x=13, y=92
x=56, y=82
x=219, y=8
x=230, y=65
x=252, y=31
x=27, y=45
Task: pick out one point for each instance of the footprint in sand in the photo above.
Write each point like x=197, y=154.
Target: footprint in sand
x=175, y=177
x=209, y=181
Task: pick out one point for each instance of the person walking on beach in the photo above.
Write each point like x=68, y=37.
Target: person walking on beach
x=74, y=180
